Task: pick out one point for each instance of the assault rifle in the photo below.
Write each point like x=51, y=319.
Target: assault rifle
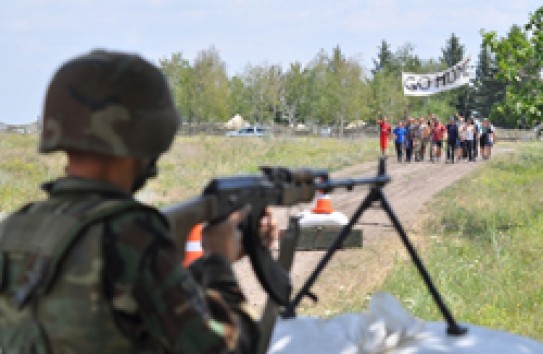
x=276, y=186
x=280, y=186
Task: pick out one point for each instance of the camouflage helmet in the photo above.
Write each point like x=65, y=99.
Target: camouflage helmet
x=109, y=103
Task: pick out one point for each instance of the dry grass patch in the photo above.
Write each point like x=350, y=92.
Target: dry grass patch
x=185, y=169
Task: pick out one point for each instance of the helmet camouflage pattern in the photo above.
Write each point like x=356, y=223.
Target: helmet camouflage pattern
x=109, y=103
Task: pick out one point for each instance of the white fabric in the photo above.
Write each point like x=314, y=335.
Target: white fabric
x=429, y=84
x=388, y=328
x=462, y=131
x=309, y=219
x=470, y=132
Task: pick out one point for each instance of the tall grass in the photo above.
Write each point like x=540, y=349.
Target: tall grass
x=22, y=170
x=193, y=161
x=185, y=169
x=485, y=248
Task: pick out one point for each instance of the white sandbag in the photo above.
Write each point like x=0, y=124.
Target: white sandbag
x=316, y=336
x=478, y=340
x=388, y=328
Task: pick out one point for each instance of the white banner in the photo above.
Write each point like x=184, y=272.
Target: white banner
x=429, y=84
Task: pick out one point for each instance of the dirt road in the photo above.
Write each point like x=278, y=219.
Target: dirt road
x=360, y=271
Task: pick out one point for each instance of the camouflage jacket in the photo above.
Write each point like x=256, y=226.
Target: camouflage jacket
x=118, y=288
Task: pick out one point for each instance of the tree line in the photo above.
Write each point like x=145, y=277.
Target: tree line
x=334, y=89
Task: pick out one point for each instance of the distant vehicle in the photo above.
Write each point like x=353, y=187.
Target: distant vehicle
x=250, y=131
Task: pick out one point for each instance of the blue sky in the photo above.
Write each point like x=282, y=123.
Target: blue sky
x=36, y=36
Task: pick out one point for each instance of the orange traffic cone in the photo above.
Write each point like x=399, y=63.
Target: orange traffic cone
x=323, y=214
x=193, y=248
x=324, y=205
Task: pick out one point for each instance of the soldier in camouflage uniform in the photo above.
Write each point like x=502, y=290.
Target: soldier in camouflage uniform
x=90, y=269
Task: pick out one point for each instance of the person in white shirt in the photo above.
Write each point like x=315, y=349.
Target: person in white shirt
x=461, y=151
x=470, y=139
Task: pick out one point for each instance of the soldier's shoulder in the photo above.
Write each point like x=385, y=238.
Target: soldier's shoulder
x=134, y=211
x=140, y=224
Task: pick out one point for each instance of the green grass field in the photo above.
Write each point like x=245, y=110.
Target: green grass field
x=186, y=168
x=483, y=243
x=193, y=161
x=485, y=248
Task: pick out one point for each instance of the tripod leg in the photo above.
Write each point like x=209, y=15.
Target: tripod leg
x=336, y=244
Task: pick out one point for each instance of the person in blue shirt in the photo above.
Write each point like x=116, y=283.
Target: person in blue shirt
x=452, y=139
x=399, y=139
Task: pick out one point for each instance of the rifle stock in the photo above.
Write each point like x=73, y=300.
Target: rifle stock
x=183, y=216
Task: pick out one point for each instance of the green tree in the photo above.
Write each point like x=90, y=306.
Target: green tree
x=265, y=86
x=384, y=81
x=388, y=98
x=405, y=59
x=519, y=59
x=385, y=58
x=274, y=91
x=316, y=108
x=452, y=54
x=211, y=87
x=488, y=89
x=338, y=89
x=294, y=93
x=180, y=76
x=453, y=51
x=240, y=97
x=345, y=87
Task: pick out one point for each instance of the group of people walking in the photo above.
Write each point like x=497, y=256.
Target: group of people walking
x=463, y=139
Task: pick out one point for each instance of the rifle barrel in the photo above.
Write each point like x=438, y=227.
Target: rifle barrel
x=349, y=183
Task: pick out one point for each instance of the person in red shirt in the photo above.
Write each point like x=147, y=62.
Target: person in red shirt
x=385, y=130
x=436, y=135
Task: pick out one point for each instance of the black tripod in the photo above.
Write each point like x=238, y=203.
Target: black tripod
x=375, y=195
